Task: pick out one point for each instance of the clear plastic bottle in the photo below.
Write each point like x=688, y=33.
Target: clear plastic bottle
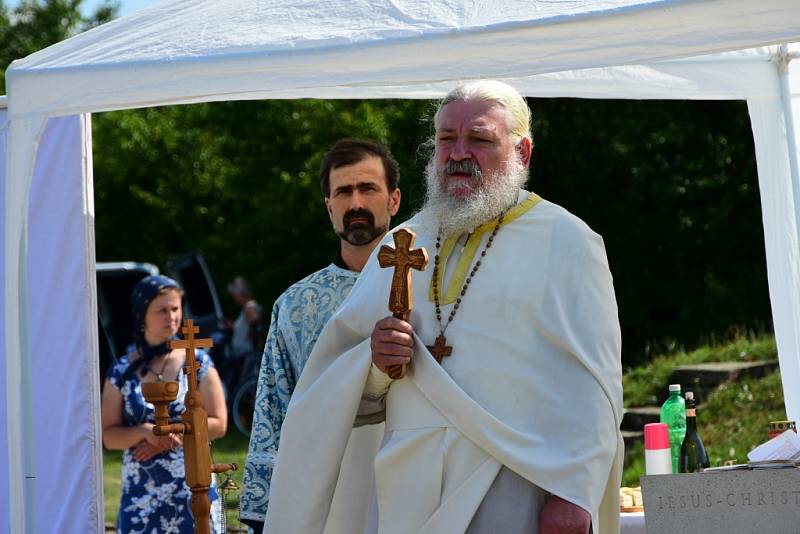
x=673, y=413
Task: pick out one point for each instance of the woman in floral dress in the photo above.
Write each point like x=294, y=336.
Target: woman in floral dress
x=155, y=498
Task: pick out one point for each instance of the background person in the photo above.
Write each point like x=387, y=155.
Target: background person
x=359, y=183
x=155, y=497
x=247, y=325
x=246, y=342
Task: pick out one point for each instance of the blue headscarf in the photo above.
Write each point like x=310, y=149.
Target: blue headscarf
x=143, y=294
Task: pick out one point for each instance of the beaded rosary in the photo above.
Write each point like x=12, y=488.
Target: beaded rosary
x=440, y=349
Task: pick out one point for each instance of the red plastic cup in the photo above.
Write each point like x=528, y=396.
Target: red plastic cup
x=657, y=455
x=656, y=436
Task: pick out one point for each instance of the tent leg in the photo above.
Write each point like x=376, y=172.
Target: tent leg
x=775, y=136
x=23, y=134
x=782, y=61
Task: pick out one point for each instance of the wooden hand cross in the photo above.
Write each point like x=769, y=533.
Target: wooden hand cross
x=190, y=343
x=403, y=259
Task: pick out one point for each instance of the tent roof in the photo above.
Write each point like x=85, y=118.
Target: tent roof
x=205, y=50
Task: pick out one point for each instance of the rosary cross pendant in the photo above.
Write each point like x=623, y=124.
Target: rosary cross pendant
x=439, y=349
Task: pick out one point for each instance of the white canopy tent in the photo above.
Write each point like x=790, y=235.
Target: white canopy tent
x=211, y=50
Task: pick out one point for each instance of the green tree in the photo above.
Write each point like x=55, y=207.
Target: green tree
x=237, y=181
x=34, y=25
x=672, y=188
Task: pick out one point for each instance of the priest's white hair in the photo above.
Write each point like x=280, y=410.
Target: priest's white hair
x=519, y=115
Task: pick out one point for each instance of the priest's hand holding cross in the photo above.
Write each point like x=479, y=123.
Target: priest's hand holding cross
x=392, y=340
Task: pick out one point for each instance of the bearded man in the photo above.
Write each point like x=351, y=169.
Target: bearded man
x=507, y=419
x=359, y=180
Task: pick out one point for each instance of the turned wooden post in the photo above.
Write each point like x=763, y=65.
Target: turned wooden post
x=196, y=445
x=403, y=259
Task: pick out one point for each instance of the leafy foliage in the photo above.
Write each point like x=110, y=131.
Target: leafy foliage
x=35, y=24
x=672, y=188
x=736, y=417
x=237, y=181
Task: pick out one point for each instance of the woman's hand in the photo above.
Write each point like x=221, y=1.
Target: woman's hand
x=145, y=449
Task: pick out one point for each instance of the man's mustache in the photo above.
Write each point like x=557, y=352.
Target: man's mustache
x=464, y=166
x=358, y=214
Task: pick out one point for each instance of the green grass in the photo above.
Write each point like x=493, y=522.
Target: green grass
x=732, y=420
x=642, y=385
x=112, y=469
x=231, y=448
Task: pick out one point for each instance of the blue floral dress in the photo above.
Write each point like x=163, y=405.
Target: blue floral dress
x=155, y=498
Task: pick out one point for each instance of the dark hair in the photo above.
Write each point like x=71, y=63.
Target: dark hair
x=351, y=151
x=145, y=291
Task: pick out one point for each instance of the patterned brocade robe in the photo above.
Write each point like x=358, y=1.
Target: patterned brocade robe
x=298, y=317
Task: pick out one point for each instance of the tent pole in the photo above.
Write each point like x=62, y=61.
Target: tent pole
x=782, y=60
x=21, y=443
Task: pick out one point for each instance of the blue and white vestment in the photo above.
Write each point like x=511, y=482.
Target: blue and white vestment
x=298, y=317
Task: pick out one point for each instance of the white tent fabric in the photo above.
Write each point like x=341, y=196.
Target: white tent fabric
x=4, y=488
x=61, y=407
x=209, y=50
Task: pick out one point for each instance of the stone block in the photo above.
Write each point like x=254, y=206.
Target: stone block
x=765, y=501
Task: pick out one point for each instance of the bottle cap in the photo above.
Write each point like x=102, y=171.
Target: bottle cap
x=674, y=387
x=689, y=395
x=656, y=436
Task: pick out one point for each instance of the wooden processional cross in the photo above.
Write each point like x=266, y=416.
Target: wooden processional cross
x=403, y=259
x=196, y=445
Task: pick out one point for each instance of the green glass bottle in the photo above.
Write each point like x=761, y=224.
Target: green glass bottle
x=673, y=414
x=694, y=457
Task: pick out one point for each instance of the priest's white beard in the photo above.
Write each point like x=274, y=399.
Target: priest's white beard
x=494, y=195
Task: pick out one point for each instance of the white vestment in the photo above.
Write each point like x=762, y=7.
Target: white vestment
x=533, y=384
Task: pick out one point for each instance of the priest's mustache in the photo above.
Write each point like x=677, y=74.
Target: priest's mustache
x=358, y=214
x=464, y=166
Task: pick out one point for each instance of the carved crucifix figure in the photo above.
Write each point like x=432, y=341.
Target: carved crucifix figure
x=403, y=259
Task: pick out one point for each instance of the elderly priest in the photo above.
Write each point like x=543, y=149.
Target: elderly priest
x=507, y=417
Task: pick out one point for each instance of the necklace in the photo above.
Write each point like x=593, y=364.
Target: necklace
x=160, y=374
x=440, y=349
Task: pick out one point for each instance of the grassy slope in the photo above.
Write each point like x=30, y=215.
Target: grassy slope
x=732, y=421
x=642, y=384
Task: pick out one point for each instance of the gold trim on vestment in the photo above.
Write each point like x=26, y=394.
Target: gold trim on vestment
x=470, y=249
